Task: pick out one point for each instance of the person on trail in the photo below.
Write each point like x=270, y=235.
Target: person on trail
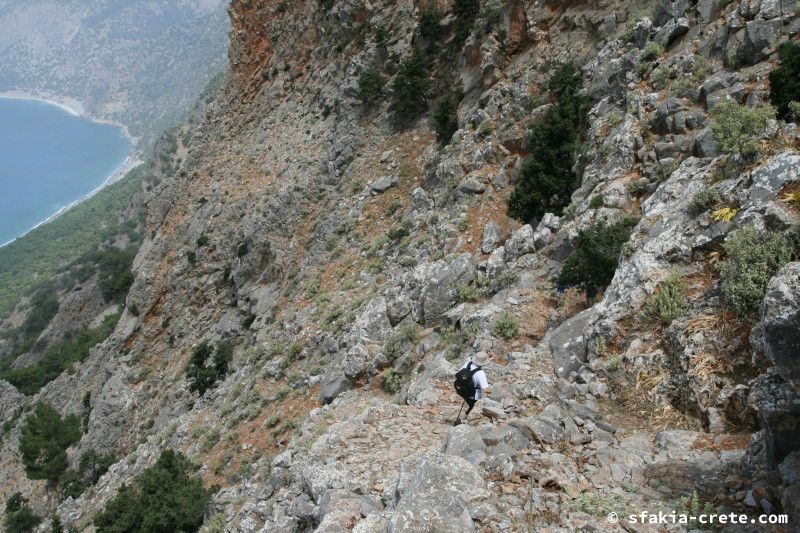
x=471, y=384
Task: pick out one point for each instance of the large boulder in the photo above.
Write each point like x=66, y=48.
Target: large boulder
x=777, y=335
x=441, y=292
x=568, y=343
x=760, y=37
x=439, y=496
x=465, y=442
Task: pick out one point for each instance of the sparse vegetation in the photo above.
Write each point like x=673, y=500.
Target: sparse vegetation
x=703, y=200
x=44, y=441
x=168, y=496
x=410, y=85
x=738, y=129
x=208, y=365
x=547, y=180
x=505, y=326
x=59, y=356
x=445, y=120
x=370, y=86
x=430, y=27
x=392, y=381
x=19, y=517
x=90, y=468
x=784, y=81
x=592, y=264
x=667, y=303
x=751, y=259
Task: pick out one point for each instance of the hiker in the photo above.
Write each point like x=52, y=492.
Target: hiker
x=471, y=384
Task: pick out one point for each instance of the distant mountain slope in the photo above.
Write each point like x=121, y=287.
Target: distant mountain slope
x=138, y=63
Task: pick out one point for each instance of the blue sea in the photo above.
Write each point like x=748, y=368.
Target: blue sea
x=50, y=158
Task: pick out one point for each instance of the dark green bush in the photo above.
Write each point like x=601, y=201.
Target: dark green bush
x=58, y=357
x=208, y=365
x=44, y=440
x=91, y=467
x=465, y=11
x=546, y=182
x=430, y=27
x=381, y=36
x=445, y=119
x=751, y=259
x=168, y=496
x=785, y=81
x=410, y=85
x=370, y=85
x=202, y=240
x=114, y=267
x=592, y=264
x=242, y=249
x=19, y=518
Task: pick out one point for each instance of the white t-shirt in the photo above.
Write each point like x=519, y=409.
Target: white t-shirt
x=479, y=379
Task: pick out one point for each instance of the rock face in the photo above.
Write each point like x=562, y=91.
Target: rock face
x=349, y=264
x=778, y=332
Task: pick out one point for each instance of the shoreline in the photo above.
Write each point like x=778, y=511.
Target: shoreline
x=130, y=162
x=68, y=105
x=75, y=108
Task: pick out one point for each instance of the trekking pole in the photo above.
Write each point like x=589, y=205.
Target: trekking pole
x=458, y=418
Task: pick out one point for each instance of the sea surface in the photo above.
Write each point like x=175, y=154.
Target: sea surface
x=49, y=159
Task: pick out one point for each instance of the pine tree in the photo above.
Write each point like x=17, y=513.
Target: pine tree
x=44, y=441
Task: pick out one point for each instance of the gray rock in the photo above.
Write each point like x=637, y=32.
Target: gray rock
x=760, y=38
x=491, y=237
x=383, y=184
x=641, y=32
x=465, y=442
x=568, y=344
x=471, y=186
x=520, y=243
x=778, y=333
x=672, y=30
x=790, y=500
x=539, y=428
x=707, y=10
x=439, y=496
x=716, y=82
x=667, y=10
x=333, y=388
x=441, y=292
x=705, y=145
x=790, y=469
x=508, y=435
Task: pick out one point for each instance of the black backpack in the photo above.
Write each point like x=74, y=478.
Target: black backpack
x=464, y=385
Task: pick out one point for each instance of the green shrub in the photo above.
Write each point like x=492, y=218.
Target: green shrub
x=208, y=365
x=115, y=273
x=703, y=200
x=751, y=259
x=592, y=264
x=508, y=278
x=410, y=85
x=596, y=202
x=44, y=440
x=430, y=27
x=785, y=81
x=202, y=240
x=399, y=231
x=72, y=349
x=381, y=36
x=90, y=468
x=468, y=293
x=651, y=52
x=505, y=326
x=465, y=11
x=737, y=129
x=445, y=120
x=666, y=304
x=168, y=496
x=547, y=181
x=392, y=381
x=370, y=85
x=19, y=518
x=242, y=249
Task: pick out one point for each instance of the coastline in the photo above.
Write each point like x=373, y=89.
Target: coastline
x=129, y=163
x=75, y=108
x=69, y=105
